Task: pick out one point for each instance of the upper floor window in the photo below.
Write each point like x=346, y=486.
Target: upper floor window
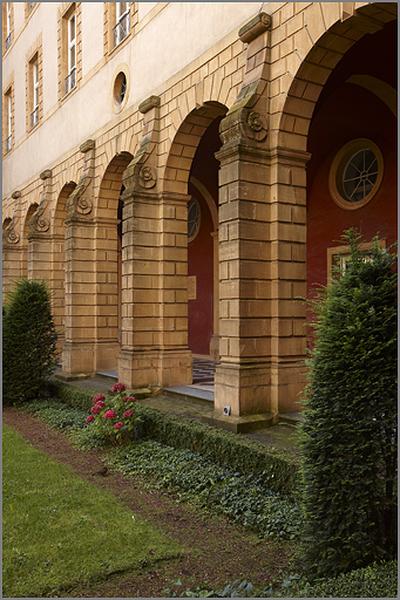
x=8, y=120
x=29, y=6
x=34, y=76
x=70, y=80
x=122, y=22
x=8, y=25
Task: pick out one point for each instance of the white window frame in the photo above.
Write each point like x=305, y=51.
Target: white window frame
x=8, y=25
x=119, y=18
x=342, y=255
x=9, y=121
x=71, y=46
x=35, y=92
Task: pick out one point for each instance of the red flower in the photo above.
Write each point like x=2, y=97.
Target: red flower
x=110, y=414
x=128, y=413
x=100, y=403
x=118, y=387
x=118, y=425
x=130, y=399
x=89, y=419
x=95, y=409
x=98, y=398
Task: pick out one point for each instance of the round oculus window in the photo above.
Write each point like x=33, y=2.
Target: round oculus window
x=194, y=218
x=120, y=88
x=356, y=174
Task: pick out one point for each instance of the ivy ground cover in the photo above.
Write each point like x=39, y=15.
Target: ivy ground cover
x=59, y=530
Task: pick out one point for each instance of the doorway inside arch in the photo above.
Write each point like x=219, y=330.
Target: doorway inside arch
x=203, y=258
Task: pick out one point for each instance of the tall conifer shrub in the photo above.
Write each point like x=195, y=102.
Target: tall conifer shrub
x=349, y=432
x=29, y=341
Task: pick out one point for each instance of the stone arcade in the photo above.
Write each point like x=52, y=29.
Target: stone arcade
x=181, y=210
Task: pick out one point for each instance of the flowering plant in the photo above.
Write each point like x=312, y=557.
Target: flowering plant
x=113, y=416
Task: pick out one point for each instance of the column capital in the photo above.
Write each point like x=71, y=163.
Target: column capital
x=289, y=155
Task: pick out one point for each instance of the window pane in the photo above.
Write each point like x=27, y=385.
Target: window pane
x=72, y=28
x=35, y=73
x=9, y=114
x=71, y=58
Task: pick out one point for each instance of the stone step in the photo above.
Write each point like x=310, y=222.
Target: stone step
x=291, y=418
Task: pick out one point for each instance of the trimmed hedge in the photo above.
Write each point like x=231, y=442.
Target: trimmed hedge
x=278, y=469
x=375, y=581
x=350, y=419
x=245, y=499
x=29, y=341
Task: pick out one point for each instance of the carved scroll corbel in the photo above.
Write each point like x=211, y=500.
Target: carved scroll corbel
x=10, y=232
x=80, y=200
x=244, y=123
x=141, y=173
x=39, y=222
x=247, y=120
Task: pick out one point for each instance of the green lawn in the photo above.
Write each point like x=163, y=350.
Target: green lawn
x=59, y=530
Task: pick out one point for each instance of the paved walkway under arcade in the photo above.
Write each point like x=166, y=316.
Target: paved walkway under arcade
x=191, y=402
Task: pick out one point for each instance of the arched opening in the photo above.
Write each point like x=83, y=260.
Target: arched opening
x=203, y=243
x=109, y=265
x=352, y=173
x=323, y=108
x=8, y=270
x=57, y=281
x=192, y=169
x=24, y=263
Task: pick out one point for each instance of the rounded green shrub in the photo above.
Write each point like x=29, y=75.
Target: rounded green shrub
x=29, y=341
x=350, y=419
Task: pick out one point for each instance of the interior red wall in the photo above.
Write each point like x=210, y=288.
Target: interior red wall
x=200, y=264
x=201, y=251
x=346, y=112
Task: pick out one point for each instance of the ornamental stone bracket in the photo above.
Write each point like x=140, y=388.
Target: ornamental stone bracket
x=39, y=223
x=247, y=121
x=140, y=176
x=80, y=203
x=11, y=237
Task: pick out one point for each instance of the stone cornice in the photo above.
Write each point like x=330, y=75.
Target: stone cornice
x=255, y=27
x=149, y=103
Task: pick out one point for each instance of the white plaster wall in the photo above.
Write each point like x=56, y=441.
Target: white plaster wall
x=19, y=16
x=180, y=33
x=92, y=38
x=176, y=36
x=49, y=15
x=144, y=8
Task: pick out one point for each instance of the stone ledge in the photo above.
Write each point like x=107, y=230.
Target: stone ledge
x=242, y=424
x=72, y=376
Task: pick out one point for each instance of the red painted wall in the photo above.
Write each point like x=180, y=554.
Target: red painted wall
x=201, y=251
x=200, y=264
x=346, y=112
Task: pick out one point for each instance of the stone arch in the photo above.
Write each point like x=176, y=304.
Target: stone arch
x=110, y=185
x=24, y=241
x=29, y=214
x=185, y=143
x=316, y=61
x=57, y=276
x=9, y=259
x=60, y=208
x=108, y=256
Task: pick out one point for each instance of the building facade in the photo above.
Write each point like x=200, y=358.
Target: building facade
x=181, y=175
